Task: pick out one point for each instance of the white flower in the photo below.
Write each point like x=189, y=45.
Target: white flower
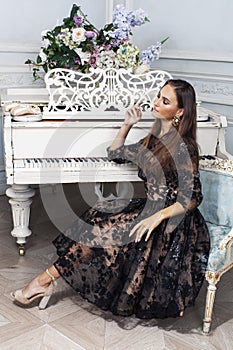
x=84, y=56
x=44, y=40
x=44, y=33
x=64, y=37
x=45, y=43
x=107, y=59
x=43, y=56
x=78, y=34
x=128, y=55
x=143, y=68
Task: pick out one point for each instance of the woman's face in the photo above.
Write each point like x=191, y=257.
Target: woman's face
x=166, y=105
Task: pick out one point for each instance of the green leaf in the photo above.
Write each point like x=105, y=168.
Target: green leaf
x=38, y=59
x=108, y=27
x=63, y=61
x=163, y=41
x=68, y=23
x=45, y=67
x=55, y=31
x=89, y=27
x=35, y=73
x=74, y=11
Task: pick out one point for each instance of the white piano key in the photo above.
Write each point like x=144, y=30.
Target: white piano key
x=27, y=163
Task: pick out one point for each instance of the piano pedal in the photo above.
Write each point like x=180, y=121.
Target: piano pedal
x=21, y=250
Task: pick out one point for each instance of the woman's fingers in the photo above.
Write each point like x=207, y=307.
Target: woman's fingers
x=146, y=227
x=139, y=236
x=140, y=230
x=132, y=232
x=148, y=235
x=138, y=104
x=133, y=116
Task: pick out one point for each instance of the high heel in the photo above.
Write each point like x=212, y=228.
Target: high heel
x=44, y=301
x=45, y=296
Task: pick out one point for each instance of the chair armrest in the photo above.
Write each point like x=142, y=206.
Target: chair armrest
x=226, y=241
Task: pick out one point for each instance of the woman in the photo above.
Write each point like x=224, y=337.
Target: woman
x=146, y=256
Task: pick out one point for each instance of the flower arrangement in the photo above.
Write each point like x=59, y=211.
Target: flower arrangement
x=77, y=44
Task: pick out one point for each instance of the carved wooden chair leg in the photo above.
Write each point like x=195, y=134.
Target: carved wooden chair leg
x=209, y=308
x=212, y=279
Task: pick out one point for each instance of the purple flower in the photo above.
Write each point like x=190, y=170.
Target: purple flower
x=107, y=47
x=92, y=60
x=119, y=16
x=137, y=18
x=78, y=21
x=119, y=35
x=123, y=21
x=89, y=34
x=151, y=54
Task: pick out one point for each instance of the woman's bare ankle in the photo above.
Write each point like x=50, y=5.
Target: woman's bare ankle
x=46, y=277
x=43, y=279
x=53, y=271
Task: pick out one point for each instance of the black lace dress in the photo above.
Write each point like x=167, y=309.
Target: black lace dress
x=154, y=279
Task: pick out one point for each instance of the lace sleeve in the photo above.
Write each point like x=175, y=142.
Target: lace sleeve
x=189, y=192
x=125, y=153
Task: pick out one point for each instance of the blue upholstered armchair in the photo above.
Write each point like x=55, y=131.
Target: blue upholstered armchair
x=217, y=209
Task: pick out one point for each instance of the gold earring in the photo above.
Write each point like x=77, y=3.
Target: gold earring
x=176, y=120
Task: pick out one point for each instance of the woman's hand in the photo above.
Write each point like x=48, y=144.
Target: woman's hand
x=146, y=226
x=133, y=115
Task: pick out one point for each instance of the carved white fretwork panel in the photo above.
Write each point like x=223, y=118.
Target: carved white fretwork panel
x=108, y=90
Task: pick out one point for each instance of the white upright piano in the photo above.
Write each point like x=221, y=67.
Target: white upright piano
x=80, y=116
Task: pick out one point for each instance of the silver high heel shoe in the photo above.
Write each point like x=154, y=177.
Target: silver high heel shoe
x=45, y=296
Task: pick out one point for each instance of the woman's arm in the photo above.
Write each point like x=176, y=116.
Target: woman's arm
x=146, y=226
x=132, y=116
x=120, y=137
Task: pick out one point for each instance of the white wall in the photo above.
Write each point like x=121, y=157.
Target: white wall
x=24, y=20
x=200, y=48
x=193, y=25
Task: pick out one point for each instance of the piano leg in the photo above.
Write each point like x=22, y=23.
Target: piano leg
x=20, y=201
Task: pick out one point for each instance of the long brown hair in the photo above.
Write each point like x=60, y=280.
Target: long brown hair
x=186, y=130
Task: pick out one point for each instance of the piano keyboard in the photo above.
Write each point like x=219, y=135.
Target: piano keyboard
x=64, y=170
x=65, y=162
